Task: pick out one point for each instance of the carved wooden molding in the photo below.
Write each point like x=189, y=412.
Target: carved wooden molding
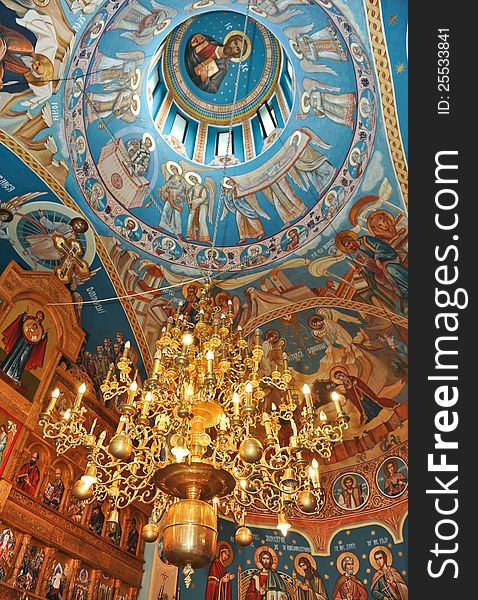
x=54, y=529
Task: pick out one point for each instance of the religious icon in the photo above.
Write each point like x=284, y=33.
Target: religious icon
x=29, y=475
x=7, y=545
x=133, y=536
x=9, y=430
x=348, y=586
x=54, y=491
x=207, y=60
x=219, y=585
x=392, y=477
x=25, y=341
x=312, y=587
x=350, y=491
x=266, y=582
x=57, y=583
x=387, y=582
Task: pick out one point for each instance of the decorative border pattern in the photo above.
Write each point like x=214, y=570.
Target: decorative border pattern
x=382, y=65
x=63, y=195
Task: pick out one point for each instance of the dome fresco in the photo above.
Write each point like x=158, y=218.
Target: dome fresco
x=302, y=221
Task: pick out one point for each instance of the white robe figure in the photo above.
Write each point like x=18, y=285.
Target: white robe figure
x=47, y=44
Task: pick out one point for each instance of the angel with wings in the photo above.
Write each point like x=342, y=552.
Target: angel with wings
x=312, y=47
x=10, y=208
x=200, y=198
x=277, y=11
x=247, y=211
x=336, y=107
x=142, y=23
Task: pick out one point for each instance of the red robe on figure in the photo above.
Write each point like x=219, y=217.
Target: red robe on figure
x=12, y=334
x=28, y=478
x=217, y=589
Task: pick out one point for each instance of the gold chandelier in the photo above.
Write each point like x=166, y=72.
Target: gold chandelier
x=195, y=437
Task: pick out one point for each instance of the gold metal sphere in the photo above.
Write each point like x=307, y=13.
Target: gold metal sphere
x=121, y=446
x=250, y=450
x=150, y=532
x=243, y=536
x=80, y=491
x=307, y=502
x=190, y=533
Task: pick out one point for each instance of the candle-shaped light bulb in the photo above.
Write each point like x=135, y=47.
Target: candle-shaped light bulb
x=273, y=407
x=282, y=524
x=187, y=341
x=54, y=398
x=243, y=483
x=294, y=427
x=67, y=414
x=322, y=416
x=307, y=396
x=132, y=390
x=266, y=421
x=215, y=504
x=284, y=361
x=239, y=331
x=210, y=361
x=101, y=439
x=314, y=473
x=127, y=346
x=257, y=337
x=248, y=393
x=336, y=400
x=147, y=401
x=79, y=396
x=236, y=400
x=93, y=425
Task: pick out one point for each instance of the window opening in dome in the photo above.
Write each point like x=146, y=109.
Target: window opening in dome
x=221, y=143
x=179, y=128
x=267, y=119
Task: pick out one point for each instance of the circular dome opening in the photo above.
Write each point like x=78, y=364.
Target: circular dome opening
x=195, y=89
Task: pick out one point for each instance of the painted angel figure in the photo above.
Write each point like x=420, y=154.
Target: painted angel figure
x=124, y=69
x=336, y=107
x=173, y=194
x=247, y=211
x=200, y=198
x=312, y=47
x=123, y=104
x=142, y=23
x=276, y=11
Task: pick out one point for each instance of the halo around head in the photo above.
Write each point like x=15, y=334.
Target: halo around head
x=305, y=108
x=224, y=544
x=146, y=136
x=385, y=550
x=247, y=42
x=190, y=174
x=310, y=558
x=258, y=551
x=340, y=560
x=335, y=371
x=172, y=163
x=194, y=284
x=339, y=240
